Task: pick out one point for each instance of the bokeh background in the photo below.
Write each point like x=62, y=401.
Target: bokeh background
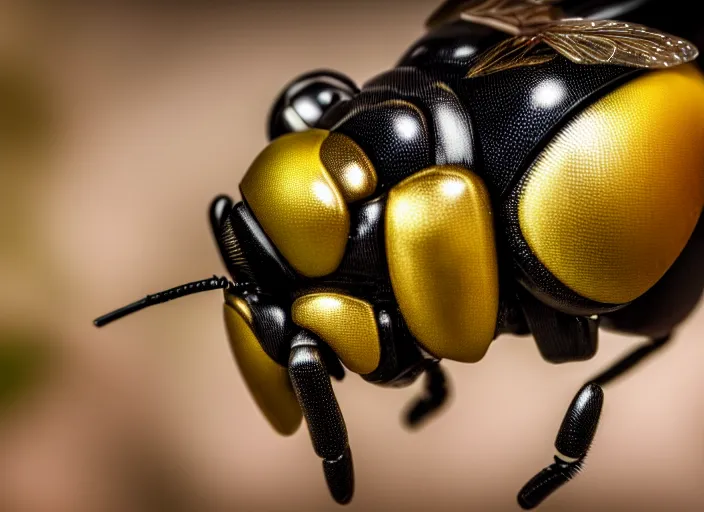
x=118, y=124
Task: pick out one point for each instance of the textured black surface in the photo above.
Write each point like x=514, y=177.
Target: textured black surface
x=401, y=362
x=311, y=95
x=272, y=325
x=579, y=424
x=450, y=126
x=560, y=337
x=326, y=425
x=512, y=127
x=573, y=440
x=332, y=362
x=364, y=263
x=434, y=397
x=231, y=251
x=339, y=475
x=271, y=270
x=312, y=385
x=394, y=134
x=546, y=482
x=511, y=319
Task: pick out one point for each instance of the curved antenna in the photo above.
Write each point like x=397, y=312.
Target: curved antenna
x=213, y=283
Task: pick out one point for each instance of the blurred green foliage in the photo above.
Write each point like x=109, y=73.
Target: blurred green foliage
x=25, y=364
x=24, y=109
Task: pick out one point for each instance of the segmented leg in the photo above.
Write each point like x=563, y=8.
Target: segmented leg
x=434, y=398
x=578, y=428
x=311, y=382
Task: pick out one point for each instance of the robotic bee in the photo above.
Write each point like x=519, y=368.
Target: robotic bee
x=522, y=170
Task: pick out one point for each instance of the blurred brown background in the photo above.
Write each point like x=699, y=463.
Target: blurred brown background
x=117, y=127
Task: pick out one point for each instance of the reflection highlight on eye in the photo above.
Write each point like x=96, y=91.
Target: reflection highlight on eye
x=354, y=176
x=322, y=191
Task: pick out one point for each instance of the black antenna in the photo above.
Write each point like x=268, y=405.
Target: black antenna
x=213, y=283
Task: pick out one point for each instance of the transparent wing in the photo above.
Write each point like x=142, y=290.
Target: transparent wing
x=509, y=16
x=511, y=53
x=616, y=42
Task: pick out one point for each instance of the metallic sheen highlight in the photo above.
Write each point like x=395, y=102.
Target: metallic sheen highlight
x=298, y=204
x=614, y=198
x=268, y=382
x=346, y=324
x=349, y=166
x=442, y=261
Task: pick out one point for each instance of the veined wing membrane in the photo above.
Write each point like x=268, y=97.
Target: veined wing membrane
x=509, y=16
x=616, y=42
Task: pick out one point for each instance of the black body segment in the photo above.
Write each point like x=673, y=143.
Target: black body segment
x=451, y=48
x=271, y=324
x=339, y=475
x=401, y=360
x=326, y=425
x=434, y=396
x=546, y=482
x=450, y=127
x=364, y=263
x=272, y=271
x=560, y=337
x=393, y=133
x=516, y=112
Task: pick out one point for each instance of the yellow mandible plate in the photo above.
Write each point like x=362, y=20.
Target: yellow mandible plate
x=268, y=382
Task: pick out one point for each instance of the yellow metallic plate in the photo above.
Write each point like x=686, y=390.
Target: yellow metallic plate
x=611, y=202
x=349, y=166
x=298, y=204
x=442, y=261
x=268, y=382
x=346, y=324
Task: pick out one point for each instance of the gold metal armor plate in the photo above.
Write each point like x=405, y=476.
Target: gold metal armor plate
x=611, y=202
x=298, y=188
x=346, y=324
x=442, y=261
x=268, y=382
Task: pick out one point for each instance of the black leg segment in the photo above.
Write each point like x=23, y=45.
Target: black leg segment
x=573, y=441
x=434, y=398
x=311, y=382
x=629, y=361
x=578, y=428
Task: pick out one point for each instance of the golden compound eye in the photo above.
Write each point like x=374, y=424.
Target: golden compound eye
x=298, y=204
x=349, y=167
x=613, y=199
x=298, y=188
